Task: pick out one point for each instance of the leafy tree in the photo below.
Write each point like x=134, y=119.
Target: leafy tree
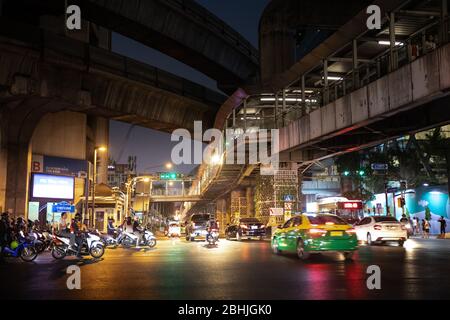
x=427, y=213
x=436, y=144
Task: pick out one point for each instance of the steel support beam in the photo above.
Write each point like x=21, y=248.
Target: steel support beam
x=355, y=63
x=303, y=80
x=393, y=52
x=444, y=21
x=326, y=92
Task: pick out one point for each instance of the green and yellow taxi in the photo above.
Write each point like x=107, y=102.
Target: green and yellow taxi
x=307, y=234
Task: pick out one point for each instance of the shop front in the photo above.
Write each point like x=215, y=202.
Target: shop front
x=54, y=182
x=109, y=204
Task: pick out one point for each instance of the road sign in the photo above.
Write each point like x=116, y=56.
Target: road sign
x=392, y=190
x=288, y=198
x=379, y=166
x=393, y=184
x=63, y=207
x=288, y=206
x=287, y=215
x=276, y=211
x=169, y=175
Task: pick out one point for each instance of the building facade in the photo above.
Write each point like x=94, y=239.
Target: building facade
x=118, y=173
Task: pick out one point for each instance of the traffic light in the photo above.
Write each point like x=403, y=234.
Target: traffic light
x=360, y=173
x=170, y=176
x=401, y=202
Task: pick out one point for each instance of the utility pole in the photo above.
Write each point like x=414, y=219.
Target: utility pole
x=86, y=193
x=386, y=196
x=94, y=181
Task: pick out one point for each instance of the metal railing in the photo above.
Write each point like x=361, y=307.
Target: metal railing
x=405, y=53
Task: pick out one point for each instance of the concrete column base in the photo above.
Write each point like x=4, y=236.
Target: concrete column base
x=17, y=179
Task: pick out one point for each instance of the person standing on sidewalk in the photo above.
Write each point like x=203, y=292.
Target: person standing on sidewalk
x=426, y=229
x=415, y=226
x=443, y=225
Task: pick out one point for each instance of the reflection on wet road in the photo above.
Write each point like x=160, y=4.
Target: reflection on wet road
x=176, y=269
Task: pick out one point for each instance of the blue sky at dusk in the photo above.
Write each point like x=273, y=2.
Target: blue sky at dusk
x=152, y=147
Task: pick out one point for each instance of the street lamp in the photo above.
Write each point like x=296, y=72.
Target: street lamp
x=94, y=182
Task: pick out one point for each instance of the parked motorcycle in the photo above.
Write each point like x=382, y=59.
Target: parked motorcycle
x=42, y=240
x=91, y=245
x=107, y=240
x=24, y=249
x=34, y=237
x=128, y=239
x=212, y=236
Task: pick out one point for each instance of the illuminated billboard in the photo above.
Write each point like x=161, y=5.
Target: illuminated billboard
x=53, y=187
x=351, y=205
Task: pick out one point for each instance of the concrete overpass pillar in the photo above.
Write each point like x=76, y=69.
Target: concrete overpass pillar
x=237, y=205
x=249, y=193
x=101, y=130
x=17, y=124
x=3, y=161
x=223, y=213
x=17, y=178
x=276, y=45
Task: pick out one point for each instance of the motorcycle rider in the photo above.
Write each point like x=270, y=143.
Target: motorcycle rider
x=213, y=225
x=77, y=228
x=137, y=230
x=64, y=231
x=110, y=228
x=127, y=225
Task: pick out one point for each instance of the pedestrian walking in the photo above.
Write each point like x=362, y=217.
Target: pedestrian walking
x=443, y=225
x=415, y=226
x=426, y=229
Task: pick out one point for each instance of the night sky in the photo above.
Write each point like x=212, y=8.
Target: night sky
x=152, y=147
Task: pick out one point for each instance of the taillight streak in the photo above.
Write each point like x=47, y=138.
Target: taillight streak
x=317, y=232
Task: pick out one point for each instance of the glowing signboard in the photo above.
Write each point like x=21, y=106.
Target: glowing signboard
x=357, y=205
x=53, y=187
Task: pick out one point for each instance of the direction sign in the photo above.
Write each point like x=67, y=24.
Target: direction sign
x=379, y=166
x=392, y=190
x=276, y=211
x=63, y=207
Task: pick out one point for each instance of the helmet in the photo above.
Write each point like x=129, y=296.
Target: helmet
x=14, y=245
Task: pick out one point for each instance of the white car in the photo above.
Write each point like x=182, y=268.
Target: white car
x=381, y=229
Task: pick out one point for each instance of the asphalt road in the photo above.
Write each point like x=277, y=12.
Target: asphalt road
x=235, y=270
